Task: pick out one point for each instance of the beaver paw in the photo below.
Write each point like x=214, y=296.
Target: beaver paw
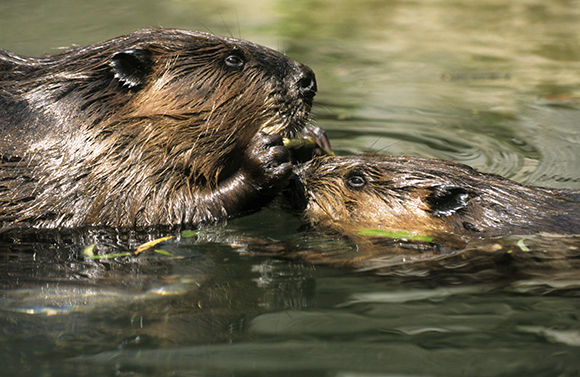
x=267, y=162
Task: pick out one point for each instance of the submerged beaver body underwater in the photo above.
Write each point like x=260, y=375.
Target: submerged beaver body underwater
x=158, y=127
x=423, y=196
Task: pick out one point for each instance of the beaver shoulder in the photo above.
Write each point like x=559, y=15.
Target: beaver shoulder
x=156, y=127
x=426, y=197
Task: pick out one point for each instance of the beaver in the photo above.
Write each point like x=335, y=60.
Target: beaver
x=410, y=219
x=438, y=199
x=157, y=127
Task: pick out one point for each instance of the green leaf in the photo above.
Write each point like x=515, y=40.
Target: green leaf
x=190, y=233
x=164, y=252
x=299, y=143
x=88, y=251
x=521, y=245
x=399, y=235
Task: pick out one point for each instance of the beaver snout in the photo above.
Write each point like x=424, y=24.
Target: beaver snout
x=307, y=82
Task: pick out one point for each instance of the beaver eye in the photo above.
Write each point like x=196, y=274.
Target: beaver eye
x=234, y=61
x=356, y=181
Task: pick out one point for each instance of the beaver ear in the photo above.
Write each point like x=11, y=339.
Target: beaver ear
x=446, y=200
x=131, y=66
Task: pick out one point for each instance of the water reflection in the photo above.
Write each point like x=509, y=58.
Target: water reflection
x=449, y=332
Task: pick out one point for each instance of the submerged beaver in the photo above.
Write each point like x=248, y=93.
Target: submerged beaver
x=156, y=127
x=429, y=197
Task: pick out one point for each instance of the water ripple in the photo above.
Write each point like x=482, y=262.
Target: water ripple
x=480, y=150
x=540, y=147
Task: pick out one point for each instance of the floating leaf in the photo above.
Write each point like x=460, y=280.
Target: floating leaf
x=399, y=235
x=190, y=233
x=164, y=252
x=108, y=256
x=150, y=244
x=521, y=245
x=88, y=251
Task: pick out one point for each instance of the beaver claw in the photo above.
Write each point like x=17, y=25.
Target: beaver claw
x=267, y=162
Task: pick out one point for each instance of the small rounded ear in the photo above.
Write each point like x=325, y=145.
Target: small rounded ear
x=131, y=66
x=446, y=200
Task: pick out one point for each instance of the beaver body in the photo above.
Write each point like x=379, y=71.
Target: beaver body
x=424, y=196
x=158, y=127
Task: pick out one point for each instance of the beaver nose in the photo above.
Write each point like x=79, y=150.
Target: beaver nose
x=307, y=82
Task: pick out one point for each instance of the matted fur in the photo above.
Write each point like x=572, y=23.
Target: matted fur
x=156, y=127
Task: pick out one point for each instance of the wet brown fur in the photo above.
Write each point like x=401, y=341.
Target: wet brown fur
x=156, y=127
x=436, y=198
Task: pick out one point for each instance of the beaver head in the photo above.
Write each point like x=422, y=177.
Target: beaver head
x=141, y=128
x=426, y=197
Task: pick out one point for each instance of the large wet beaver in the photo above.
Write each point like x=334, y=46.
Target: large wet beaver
x=156, y=127
x=429, y=197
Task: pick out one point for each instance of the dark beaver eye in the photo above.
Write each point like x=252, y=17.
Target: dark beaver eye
x=356, y=181
x=234, y=61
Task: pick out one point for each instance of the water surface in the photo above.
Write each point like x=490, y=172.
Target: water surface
x=494, y=84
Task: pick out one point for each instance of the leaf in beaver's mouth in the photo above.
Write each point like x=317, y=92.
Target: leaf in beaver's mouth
x=311, y=138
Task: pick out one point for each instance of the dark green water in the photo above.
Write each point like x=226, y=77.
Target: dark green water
x=494, y=84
